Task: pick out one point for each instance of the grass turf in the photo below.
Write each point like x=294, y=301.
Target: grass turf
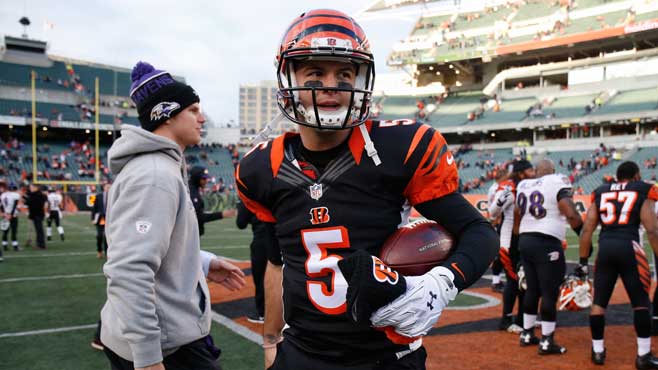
x=64, y=302
x=29, y=305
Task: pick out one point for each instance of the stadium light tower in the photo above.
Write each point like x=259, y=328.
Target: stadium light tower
x=24, y=21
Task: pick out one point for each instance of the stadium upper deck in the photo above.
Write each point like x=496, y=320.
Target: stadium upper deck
x=65, y=88
x=510, y=27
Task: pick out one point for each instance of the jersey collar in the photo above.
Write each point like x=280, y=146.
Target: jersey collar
x=355, y=143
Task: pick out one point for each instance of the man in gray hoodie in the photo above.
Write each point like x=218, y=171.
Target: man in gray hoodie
x=157, y=313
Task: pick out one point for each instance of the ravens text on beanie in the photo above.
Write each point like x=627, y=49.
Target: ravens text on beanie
x=158, y=96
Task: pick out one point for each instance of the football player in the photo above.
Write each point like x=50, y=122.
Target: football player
x=620, y=207
x=337, y=190
x=503, y=206
x=55, y=207
x=496, y=266
x=542, y=204
x=10, y=201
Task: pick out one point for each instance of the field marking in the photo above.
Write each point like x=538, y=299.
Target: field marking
x=490, y=302
x=53, y=277
x=68, y=254
x=237, y=328
x=47, y=331
x=216, y=317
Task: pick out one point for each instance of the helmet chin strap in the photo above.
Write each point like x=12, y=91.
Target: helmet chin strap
x=369, y=145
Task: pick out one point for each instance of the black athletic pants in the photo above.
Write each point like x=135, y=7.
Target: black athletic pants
x=618, y=258
x=13, y=227
x=101, y=242
x=197, y=355
x=509, y=259
x=544, y=265
x=53, y=216
x=289, y=357
x=258, y=265
x=38, y=227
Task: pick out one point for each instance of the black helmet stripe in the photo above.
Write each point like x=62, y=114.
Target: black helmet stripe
x=326, y=27
x=305, y=18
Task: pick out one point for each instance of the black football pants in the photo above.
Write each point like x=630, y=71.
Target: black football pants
x=617, y=258
x=509, y=260
x=258, y=265
x=192, y=356
x=53, y=216
x=13, y=227
x=290, y=357
x=544, y=265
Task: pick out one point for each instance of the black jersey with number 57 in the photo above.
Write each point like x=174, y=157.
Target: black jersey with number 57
x=619, y=205
x=351, y=205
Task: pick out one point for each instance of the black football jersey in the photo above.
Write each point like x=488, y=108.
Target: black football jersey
x=352, y=205
x=619, y=207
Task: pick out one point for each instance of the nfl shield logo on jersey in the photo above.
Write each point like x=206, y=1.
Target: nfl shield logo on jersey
x=316, y=191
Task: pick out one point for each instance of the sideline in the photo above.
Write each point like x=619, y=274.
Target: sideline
x=69, y=254
x=47, y=331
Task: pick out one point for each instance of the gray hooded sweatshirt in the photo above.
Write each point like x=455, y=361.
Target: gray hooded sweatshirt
x=156, y=289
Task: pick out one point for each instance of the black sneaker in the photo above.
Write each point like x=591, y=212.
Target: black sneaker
x=5, y=247
x=547, y=346
x=505, y=322
x=528, y=338
x=598, y=358
x=61, y=236
x=646, y=361
x=256, y=319
x=48, y=238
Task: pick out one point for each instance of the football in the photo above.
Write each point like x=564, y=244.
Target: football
x=417, y=247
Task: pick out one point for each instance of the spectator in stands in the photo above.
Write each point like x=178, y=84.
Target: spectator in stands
x=153, y=237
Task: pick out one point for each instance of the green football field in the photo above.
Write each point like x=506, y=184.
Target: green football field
x=50, y=299
x=62, y=288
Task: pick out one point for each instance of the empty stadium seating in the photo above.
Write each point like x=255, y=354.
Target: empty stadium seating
x=399, y=107
x=510, y=111
x=454, y=110
x=573, y=106
x=631, y=101
x=534, y=10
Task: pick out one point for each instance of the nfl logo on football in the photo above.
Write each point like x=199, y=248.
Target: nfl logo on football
x=316, y=191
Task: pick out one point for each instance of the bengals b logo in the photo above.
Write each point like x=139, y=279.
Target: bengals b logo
x=319, y=215
x=382, y=272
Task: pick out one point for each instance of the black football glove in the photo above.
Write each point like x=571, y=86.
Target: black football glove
x=582, y=270
x=370, y=285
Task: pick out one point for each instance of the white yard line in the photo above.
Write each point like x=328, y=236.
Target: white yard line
x=216, y=317
x=237, y=328
x=490, y=302
x=53, y=277
x=47, y=331
x=8, y=255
